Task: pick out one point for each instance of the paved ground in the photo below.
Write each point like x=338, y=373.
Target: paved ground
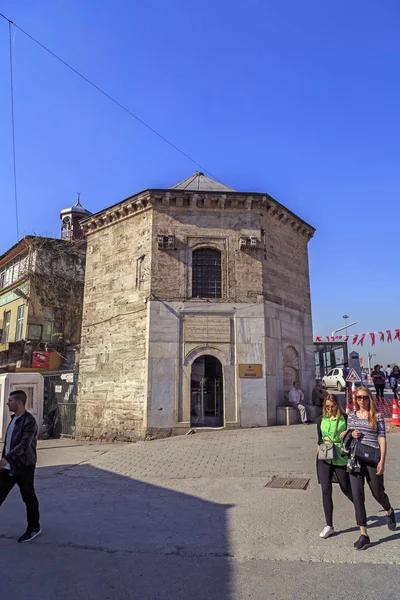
x=190, y=517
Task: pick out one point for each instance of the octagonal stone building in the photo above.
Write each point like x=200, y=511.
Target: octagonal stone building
x=197, y=312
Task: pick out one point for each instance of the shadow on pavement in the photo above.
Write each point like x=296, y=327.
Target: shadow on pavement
x=107, y=536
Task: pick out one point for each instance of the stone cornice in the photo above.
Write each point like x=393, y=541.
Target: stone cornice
x=180, y=200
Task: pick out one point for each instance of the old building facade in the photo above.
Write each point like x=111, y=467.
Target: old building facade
x=197, y=312
x=41, y=298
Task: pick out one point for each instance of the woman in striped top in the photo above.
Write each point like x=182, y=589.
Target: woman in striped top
x=368, y=426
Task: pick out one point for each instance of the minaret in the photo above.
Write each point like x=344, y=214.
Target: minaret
x=70, y=218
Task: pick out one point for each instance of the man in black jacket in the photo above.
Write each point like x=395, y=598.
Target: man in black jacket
x=18, y=462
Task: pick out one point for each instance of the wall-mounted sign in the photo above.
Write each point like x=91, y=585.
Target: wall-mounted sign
x=250, y=371
x=207, y=329
x=40, y=360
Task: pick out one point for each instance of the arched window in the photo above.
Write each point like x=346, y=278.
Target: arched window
x=206, y=273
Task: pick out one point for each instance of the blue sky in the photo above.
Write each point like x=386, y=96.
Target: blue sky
x=298, y=99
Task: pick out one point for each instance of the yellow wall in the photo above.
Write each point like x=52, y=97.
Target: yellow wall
x=10, y=302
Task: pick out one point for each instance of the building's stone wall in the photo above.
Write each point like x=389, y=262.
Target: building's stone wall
x=221, y=229
x=136, y=362
x=113, y=355
x=285, y=266
x=289, y=353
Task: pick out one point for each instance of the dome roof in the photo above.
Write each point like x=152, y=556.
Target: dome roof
x=200, y=183
x=77, y=208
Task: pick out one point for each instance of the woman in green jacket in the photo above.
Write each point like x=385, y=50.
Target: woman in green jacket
x=331, y=427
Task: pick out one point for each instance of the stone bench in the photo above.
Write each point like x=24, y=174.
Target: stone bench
x=289, y=415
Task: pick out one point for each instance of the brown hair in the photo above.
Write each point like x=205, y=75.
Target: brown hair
x=333, y=398
x=373, y=411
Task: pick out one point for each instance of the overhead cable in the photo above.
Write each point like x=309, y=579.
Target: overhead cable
x=107, y=95
x=13, y=128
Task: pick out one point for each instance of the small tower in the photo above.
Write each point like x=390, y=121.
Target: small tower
x=70, y=218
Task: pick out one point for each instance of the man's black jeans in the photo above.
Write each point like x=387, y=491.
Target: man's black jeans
x=24, y=479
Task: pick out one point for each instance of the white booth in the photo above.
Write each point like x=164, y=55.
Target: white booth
x=32, y=385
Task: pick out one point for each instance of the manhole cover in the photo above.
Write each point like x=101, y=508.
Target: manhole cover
x=288, y=483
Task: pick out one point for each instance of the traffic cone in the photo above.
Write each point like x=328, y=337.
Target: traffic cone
x=396, y=413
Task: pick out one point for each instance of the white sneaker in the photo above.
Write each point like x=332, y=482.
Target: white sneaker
x=326, y=532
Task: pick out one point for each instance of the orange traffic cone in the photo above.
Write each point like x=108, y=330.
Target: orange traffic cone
x=396, y=413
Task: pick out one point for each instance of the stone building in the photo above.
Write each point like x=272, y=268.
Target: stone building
x=196, y=312
x=41, y=296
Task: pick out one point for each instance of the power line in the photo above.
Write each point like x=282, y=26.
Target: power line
x=99, y=89
x=13, y=128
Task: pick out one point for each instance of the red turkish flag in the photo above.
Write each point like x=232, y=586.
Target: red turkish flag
x=372, y=338
x=361, y=341
x=389, y=335
x=355, y=338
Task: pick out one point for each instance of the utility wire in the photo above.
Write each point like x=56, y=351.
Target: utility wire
x=13, y=128
x=99, y=89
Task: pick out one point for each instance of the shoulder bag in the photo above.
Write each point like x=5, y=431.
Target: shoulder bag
x=368, y=454
x=327, y=450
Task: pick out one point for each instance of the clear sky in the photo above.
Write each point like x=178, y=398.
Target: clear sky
x=297, y=99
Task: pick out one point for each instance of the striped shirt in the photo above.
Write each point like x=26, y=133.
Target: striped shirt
x=369, y=436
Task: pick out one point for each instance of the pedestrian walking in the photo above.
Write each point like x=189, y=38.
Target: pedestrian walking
x=346, y=372
x=394, y=381
x=388, y=371
x=367, y=462
x=296, y=398
x=18, y=462
x=331, y=427
x=379, y=381
x=318, y=396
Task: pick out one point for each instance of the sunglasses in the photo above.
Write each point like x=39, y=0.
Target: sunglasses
x=362, y=397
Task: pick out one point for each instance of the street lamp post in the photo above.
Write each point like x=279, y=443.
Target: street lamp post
x=345, y=317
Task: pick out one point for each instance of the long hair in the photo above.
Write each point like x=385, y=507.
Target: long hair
x=373, y=411
x=333, y=398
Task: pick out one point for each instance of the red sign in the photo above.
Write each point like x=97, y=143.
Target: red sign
x=40, y=360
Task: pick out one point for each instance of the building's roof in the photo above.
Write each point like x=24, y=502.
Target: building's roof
x=16, y=249
x=76, y=208
x=199, y=182
x=196, y=184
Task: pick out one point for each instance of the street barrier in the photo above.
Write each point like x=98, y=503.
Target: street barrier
x=395, y=413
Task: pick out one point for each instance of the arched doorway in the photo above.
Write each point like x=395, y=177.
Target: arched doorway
x=291, y=366
x=206, y=392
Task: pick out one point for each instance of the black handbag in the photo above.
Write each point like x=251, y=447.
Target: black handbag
x=367, y=453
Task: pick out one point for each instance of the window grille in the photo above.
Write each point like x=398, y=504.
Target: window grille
x=206, y=273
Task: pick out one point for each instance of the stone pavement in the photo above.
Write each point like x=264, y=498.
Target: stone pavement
x=190, y=517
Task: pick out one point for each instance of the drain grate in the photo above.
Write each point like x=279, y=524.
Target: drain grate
x=288, y=483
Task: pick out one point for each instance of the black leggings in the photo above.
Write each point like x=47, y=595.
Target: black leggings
x=380, y=389
x=325, y=473
x=376, y=486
